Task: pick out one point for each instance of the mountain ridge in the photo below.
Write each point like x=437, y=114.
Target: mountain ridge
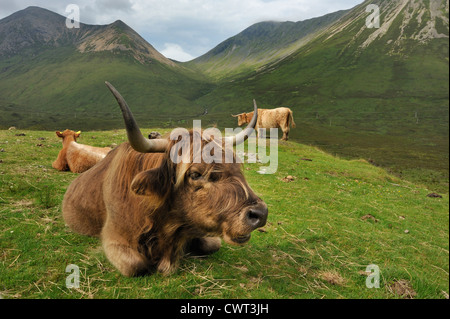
x=419, y=21
x=261, y=43
x=35, y=27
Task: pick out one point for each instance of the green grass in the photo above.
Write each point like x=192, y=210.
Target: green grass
x=315, y=244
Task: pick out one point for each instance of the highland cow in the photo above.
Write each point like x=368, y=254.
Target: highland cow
x=149, y=211
x=76, y=157
x=270, y=118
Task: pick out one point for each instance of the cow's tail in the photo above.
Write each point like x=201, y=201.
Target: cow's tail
x=291, y=119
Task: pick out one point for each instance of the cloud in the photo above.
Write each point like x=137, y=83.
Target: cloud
x=175, y=52
x=114, y=5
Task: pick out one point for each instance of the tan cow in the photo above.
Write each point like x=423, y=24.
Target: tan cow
x=149, y=209
x=270, y=118
x=77, y=157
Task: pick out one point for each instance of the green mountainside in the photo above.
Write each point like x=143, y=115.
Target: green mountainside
x=260, y=44
x=52, y=77
x=378, y=93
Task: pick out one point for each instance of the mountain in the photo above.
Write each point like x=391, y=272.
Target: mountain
x=380, y=93
x=52, y=76
x=416, y=22
x=35, y=28
x=260, y=44
x=406, y=57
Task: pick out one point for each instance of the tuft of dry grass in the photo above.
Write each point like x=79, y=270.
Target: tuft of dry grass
x=332, y=277
x=403, y=289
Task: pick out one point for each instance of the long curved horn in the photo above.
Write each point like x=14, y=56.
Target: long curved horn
x=242, y=136
x=135, y=137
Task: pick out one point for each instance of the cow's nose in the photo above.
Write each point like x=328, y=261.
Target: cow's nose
x=257, y=215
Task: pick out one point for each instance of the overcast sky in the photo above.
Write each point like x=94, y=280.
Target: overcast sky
x=185, y=29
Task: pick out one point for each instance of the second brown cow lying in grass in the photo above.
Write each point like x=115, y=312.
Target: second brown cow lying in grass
x=76, y=157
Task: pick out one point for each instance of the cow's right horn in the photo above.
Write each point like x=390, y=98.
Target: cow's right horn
x=135, y=137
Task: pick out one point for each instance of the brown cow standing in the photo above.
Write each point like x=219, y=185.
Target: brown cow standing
x=270, y=118
x=150, y=211
x=77, y=157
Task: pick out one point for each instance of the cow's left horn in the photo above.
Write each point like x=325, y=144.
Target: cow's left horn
x=135, y=137
x=242, y=136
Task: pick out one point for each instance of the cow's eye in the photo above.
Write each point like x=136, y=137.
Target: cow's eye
x=195, y=176
x=214, y=177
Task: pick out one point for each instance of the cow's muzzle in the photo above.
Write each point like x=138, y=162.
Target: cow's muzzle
x=256, y=215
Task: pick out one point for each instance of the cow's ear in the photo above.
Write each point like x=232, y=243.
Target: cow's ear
x=146, y=182
x=77, y=134
x=59, y=134
x=156, y=181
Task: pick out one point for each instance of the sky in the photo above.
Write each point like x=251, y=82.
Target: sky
x=185, y=29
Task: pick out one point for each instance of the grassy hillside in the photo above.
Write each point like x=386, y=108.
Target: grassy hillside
x=61, y=88
x=324, y=229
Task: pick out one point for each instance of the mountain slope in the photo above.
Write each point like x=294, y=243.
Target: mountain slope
x=378, y=93
x=52, y=76
x=260, y=44
x=347, y=59
x=36, y=29
x=120, y=37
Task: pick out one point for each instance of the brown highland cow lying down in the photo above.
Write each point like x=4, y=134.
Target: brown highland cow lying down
x=77, y=157
x=150, y=211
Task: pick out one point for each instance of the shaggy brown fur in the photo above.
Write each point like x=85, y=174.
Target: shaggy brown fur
x=77, y=157
x=149, y=211
x=270, y=118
